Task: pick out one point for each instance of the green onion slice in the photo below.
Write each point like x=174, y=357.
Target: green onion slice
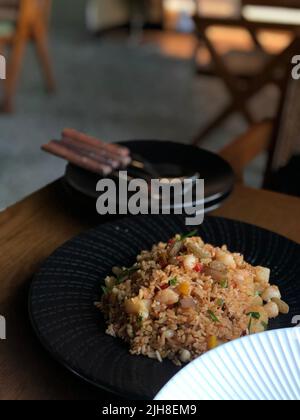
x=213, y=317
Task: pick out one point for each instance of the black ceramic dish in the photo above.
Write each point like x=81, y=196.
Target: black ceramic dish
x=63, y=293
x=170, y=160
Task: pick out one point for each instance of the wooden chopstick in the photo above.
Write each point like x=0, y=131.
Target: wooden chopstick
x=77, y=157
x=90, y=152
x=94, y=155
x=93, y=141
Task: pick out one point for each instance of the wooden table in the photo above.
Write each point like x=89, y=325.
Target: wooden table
x=30, y=231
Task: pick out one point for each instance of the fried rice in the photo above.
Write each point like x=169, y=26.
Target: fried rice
x=185, y=297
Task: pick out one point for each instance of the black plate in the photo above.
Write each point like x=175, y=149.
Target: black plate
x=63, y=292
x=170, y=160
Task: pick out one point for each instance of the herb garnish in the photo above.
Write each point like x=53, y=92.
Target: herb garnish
x=173, y=282
x=224, y=284
x=213, y=316
x=220, y=302
x=104, y=290
x=253, y=315
x=140, y=320
x=188, y=235
x=265, y=325
x=126, y=273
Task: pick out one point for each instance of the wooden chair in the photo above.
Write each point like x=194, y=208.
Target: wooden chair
x=267, y=136
x=243, y=150
x=274, y=71
x=25, y=20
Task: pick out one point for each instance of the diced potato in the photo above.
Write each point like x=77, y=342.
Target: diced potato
x=272, y=310
x=189, y=262
x=197, y=249
x=167, y=297
x=175, y=249
x=270, y=293
x=136, y=306
x=257, y=301
x=225, y=258
x=110, y=282
x=217, y=270
x=262, y=275
x=282, y=306
x=185, y=356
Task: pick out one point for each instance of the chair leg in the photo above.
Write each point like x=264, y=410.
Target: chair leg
x=41, y=43
x=13, y=72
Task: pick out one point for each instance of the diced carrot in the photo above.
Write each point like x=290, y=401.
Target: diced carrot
x=184, y=288
x=198, y=268
x=212, y=342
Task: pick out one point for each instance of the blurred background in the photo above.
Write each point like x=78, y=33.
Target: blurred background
x=125, y=69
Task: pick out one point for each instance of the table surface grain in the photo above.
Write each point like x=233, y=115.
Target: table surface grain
x=31, y=230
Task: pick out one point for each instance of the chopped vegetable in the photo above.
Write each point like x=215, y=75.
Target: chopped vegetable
x=104, y=290
x=212, y=342
x=220, y=302
x=262, y=275
x=189, y=261
x=173, y=282
x=253, y=315
x=185, y=356
x=217, y=271
x=126, y=273
x=198, y=250
x=189, y=235
x=213, y=317
x=282, y=306
x=225, y=258
x=184, y=288
x=198, y=268
x=140, y=320
x=272, y=310
x=224, y=284
x=187, y=302
x=265, y=325
x=135, y=306
x=270, y=293
x=175, y=249
x=167, y=297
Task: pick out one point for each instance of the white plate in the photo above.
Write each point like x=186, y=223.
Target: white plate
x=260, y=367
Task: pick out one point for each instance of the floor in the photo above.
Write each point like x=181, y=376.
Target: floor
x=113, y=89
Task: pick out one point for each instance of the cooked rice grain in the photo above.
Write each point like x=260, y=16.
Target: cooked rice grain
x=184, y=298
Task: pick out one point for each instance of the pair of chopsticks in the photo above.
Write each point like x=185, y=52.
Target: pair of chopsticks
x=98, y=157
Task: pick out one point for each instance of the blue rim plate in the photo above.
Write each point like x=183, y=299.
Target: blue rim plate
x=262, y=367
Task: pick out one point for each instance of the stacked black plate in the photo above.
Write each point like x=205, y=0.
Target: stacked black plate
x=170, y=160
